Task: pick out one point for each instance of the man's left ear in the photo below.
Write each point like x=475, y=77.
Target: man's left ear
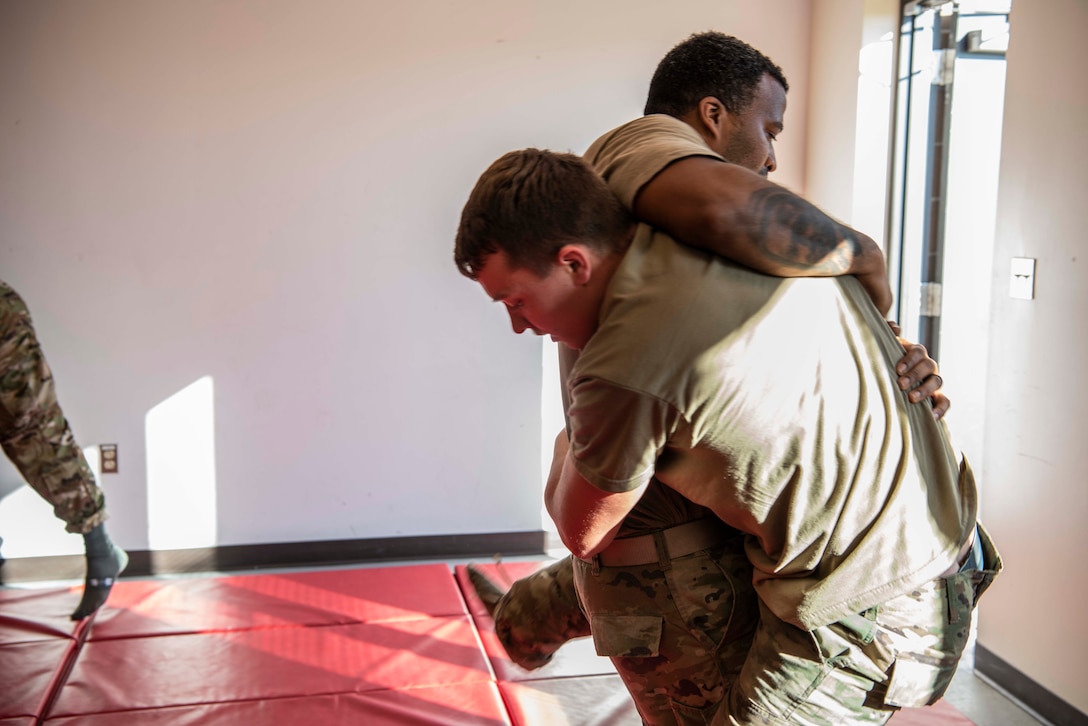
x=712, y=116
x=576, y=260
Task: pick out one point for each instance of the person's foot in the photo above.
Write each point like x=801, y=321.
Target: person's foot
x=102, y=572
x=485, y=588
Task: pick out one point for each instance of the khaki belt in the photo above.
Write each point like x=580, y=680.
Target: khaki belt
x=683, y=539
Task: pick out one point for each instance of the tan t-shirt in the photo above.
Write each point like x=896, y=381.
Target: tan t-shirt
x=659, y=507
x=770, y=401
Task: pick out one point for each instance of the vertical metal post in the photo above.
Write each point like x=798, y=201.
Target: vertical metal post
x=899, y=236
x=940, y=119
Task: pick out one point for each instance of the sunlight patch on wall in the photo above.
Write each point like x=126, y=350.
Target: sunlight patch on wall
x=30, y=529
x=27, y=523
x=873, y=134
x=181, y=496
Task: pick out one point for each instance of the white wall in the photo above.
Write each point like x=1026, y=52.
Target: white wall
x=848, y=127
x=830, y=126
x=259, y=198
x=1037, y=415
x=265, y=193
x=1020, y=410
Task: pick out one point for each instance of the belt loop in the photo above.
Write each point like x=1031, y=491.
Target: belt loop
x=596, y=562
x=951, y=585
x=663, y=559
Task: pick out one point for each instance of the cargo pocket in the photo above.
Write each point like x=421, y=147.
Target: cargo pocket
x=691, y=716
x=927, y=660
x=626, y=636
x=915, y=684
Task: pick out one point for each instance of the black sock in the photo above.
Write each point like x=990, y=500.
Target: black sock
x=105, y=561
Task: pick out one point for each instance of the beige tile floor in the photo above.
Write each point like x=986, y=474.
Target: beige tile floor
x=985, y=704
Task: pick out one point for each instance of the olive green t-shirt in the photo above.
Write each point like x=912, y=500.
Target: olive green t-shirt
x=659, y=507
x=773, y=402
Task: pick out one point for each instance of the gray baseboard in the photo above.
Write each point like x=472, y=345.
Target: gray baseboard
x=146, y=563
x=1033, y=695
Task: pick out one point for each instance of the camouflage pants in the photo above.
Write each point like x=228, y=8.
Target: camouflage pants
x=678, y=635
x=538, y=614
x=33, y=430
x=903, y=652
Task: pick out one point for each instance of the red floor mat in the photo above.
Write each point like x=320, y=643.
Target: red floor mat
x=468, y=704
x=326, y=597
x=31, y=672
x=173, y=670
x=30, y=615
x=390, y=646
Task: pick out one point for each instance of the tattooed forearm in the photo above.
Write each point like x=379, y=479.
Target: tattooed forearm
x=795, y=233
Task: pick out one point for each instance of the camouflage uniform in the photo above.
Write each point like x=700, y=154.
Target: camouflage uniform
x=901, y=653
x=677, y=633
x=538, y=614
x=853, y=668
x=795, y=432
x=33, y=431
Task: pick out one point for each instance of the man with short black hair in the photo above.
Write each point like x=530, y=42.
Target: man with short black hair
x=771, y=402
x=731, y=99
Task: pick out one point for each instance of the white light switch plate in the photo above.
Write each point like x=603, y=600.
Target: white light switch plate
x=1022, y=278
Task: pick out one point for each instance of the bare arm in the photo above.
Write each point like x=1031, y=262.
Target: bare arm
x=738, y=214
x=586, y=517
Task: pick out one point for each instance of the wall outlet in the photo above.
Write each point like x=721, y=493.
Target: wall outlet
x=108, y=458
